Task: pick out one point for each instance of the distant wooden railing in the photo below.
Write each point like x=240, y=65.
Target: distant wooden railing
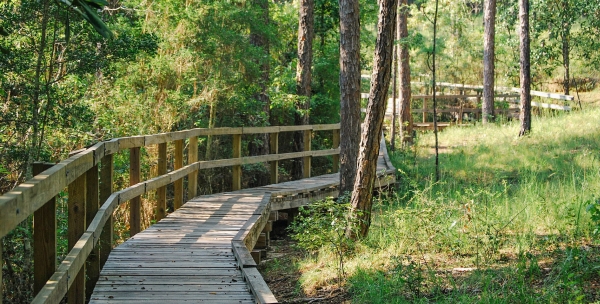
x=88, y=177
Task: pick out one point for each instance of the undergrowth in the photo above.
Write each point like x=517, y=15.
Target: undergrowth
x=512, y=220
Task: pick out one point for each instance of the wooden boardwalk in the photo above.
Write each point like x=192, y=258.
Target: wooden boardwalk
x=198, y=254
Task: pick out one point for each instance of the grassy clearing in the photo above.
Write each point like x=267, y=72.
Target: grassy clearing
x=508, y=222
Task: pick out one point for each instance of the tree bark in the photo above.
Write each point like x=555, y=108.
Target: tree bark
x=395, y=84
x=259, y=39
x=489, y=13
x=406, y=126
x=565, y=37
x=362, y=196
x=303, y=76
x=525, y=75
x=349, y=92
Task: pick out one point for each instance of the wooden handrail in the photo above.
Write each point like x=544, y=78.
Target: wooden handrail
x=25, y=199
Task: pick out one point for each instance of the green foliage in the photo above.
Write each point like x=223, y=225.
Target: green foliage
x=323, y=225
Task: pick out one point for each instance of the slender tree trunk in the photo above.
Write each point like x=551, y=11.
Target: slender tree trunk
x=349, y=92
x=35, y=109
x=525, y=75
x=259, y=39
x=303, y=76
x=489, y=12
x=406, y=126
x=435, y=126
x=362, y=195
x=565, y=37
x=395, y=85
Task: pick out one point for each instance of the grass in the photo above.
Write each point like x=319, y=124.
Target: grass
x=507, y=223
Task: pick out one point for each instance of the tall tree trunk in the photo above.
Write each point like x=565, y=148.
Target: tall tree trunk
x=362, y=195
x=433, y=83
x=394, y=85
x=303, y=76
x=35, y=108
x=565, y=37
x=525, y=75
x=349, y=92
x=489, y=12
x=259, y=39
x=406, y=127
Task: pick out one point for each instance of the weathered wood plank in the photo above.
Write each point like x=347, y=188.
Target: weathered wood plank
x=77, y=217
x=92, y=266
x=44, y=239
x=237, y=169
x=178, y=183
x=161, y=192
x=192, y=158
x=135, y=203
x=259, y=287
x=106, y=189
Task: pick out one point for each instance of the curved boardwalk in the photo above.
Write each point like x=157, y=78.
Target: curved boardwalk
x=191, y=255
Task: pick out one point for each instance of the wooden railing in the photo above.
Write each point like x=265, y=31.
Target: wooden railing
x=88, y=177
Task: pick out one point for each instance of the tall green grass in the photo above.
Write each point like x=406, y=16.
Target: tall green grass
x=506, y=223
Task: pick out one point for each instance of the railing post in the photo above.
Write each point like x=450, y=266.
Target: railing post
x=336, y=144
x=135, y=204
x=93, y=261
x=161, y=193
x=274, y=148
x=178, y=184
x=237, y=170
x=76, y=206
x=192, y=158
x=44, y=239
x=106, y=189
x=424, y=110
x=307, y=147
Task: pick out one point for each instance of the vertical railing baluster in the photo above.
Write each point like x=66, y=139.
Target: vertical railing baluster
x=336, y=144
x=161, y=193
x=44, y=238
x=106, y=189
x=192, y=158
x=274, y=148
x=178, y=184
x=76, y=206
x=135, y=204
x=93, y=261
x=237, y=169
x=307, y=147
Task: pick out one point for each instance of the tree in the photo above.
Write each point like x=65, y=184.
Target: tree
x=349, y=92
x=362, y=195
x=406, y=125
x=525, y=75
x=260, y=40
x=489, y=13
x=303, y=75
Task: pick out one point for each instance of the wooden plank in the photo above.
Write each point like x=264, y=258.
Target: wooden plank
x=259, y=287
x=258, y=130
x=237, y=169
x=178, y=183
x=77, y=217
x=274, y=165
x=192, y=158
x=161, y=192
x=326, y=127
x=44, y=239
x=131, y=142
x=92, y=266
x=242, y=254
x=106, y=189
x=336, y=145
x=306, y=162
x=1, y=267
x=295, y=128
x=135, y=203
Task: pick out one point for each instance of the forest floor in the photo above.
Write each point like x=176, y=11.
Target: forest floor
x=512, y=220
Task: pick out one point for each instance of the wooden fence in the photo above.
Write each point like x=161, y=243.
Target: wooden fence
x=88, y=178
